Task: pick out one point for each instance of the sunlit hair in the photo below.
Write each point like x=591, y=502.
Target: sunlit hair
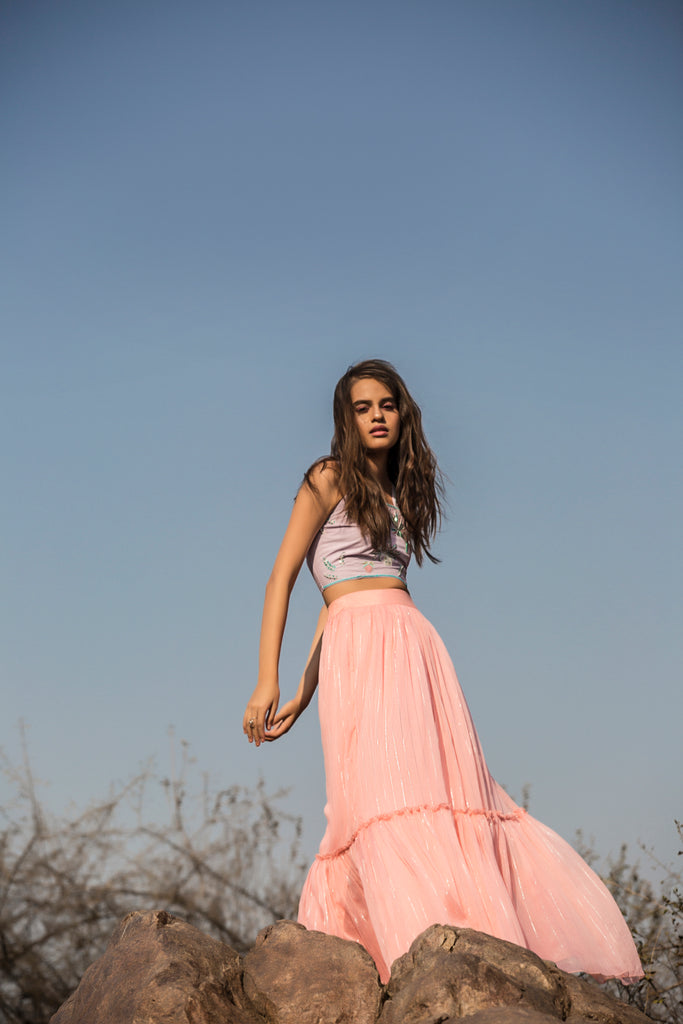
x=412, y=465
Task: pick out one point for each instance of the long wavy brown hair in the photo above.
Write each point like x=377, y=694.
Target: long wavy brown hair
x=412, y=466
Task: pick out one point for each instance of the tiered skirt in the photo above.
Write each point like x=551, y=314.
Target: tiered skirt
x=418, y=831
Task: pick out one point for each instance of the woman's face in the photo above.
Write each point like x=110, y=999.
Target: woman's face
x=376, y=414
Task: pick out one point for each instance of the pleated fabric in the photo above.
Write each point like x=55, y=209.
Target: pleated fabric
x=418, y=831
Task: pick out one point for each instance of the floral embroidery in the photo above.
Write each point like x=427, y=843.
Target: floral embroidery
x=398, y=521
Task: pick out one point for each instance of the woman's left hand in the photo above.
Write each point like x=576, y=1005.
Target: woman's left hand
x=284, y=720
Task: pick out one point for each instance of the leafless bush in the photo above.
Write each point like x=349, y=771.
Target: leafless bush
x=656, y=923
x=227, y=861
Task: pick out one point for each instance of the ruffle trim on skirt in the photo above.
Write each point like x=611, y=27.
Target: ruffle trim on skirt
x=490, y=815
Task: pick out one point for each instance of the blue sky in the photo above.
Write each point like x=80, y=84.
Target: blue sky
x=209, y=210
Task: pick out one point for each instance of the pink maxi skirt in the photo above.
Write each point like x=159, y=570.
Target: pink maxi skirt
x=418, y=832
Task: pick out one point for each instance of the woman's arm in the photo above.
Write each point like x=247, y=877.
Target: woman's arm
x=289, y=712
x=310, y=511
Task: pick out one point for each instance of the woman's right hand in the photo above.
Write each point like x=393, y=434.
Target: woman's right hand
x=260, y=713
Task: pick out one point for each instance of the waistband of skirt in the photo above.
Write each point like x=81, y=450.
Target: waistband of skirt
x=363, y=598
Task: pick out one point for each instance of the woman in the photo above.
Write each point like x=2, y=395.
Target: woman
x=418, y=832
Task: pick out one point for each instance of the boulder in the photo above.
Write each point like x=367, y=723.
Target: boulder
x=158, y=969
x=456, y=972
x=293, y=976
x=459, y=974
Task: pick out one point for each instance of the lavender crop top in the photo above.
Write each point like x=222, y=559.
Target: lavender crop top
x=340, y=552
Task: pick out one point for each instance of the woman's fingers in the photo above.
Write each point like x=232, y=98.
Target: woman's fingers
x=269, y=718
x=275, y=724
x=258, y=721
x=282, y=721
x=282, y=724
x=284, y=711
x=249, y=723
x=260, y=713
x=252, y=725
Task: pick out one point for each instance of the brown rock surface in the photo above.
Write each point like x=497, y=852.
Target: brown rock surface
x=456, y=972
x=159, y=970
x=293, y=976
x=588, y=1002
x=511, y=1015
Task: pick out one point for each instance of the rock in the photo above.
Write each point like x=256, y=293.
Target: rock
x=588, y=1001
x=293, y=976
x=158, y=969
x=511, y=1015
x=456, y=972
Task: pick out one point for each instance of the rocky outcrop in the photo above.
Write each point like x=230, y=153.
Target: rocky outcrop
x=158, y=969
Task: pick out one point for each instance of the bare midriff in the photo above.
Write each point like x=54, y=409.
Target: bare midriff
x=351, y=586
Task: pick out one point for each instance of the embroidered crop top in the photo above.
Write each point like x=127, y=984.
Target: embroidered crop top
x=340, y=552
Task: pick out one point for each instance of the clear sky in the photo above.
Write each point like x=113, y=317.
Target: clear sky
x=209, y=210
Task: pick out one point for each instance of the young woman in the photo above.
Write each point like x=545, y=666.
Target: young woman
x=418, y=832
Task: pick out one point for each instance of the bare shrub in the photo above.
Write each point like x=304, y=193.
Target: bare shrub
x=656, y=923
x=228, y=861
